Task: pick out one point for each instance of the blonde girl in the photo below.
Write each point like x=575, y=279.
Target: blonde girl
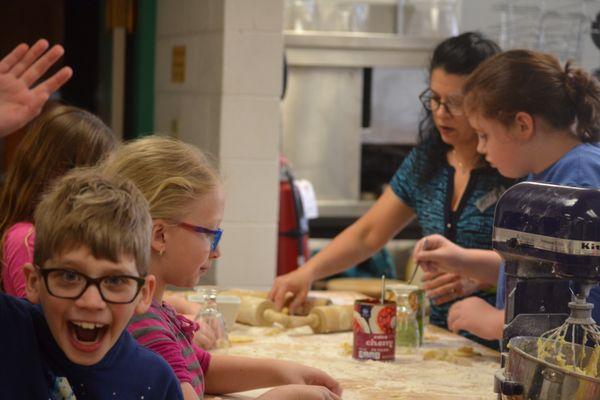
x=186, y=203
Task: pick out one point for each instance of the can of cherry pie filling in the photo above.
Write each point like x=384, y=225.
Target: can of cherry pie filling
x=374, y=327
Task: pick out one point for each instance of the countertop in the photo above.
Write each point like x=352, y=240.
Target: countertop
x=408, y=377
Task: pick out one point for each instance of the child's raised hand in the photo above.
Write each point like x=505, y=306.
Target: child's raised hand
x=476, y=316
x=300, y=392
x=19, y=70
x=439, y=254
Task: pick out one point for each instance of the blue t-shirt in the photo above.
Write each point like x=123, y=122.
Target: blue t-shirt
x=32, y=365
x=580, y=167
x=469, y=226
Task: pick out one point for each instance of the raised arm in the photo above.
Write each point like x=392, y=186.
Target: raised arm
x=19, y=70
x=356, y=243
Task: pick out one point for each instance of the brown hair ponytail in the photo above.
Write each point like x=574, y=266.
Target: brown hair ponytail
x=536, y=83
x=584, y=92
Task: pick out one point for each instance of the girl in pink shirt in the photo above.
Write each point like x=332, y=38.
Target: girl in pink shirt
x=61, y=138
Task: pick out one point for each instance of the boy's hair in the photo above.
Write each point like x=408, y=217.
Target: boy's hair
x=61, y=138
x=108, y=215
x=536, y=83
x=171, y=174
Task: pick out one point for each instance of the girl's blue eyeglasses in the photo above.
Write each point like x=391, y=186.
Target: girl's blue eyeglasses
x=216, y=234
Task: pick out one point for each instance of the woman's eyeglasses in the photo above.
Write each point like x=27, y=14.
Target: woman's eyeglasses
x=433, y=102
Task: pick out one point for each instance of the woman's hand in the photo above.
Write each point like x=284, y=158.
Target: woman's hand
x=297, y=283
x=442, y=287
x=476, y=316
x=300, y=392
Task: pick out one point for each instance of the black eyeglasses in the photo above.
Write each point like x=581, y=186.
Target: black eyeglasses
x=432, y=102
x=68, y=284
x=216, y=234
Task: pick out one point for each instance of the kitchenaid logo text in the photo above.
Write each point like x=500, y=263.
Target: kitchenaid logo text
x=590, y=246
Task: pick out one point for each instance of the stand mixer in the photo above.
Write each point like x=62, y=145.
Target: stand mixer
x=549, y=237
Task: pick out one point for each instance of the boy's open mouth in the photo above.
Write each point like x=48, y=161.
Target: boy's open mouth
x=87, y=333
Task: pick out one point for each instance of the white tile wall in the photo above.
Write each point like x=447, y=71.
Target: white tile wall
x=203, y=55
x=249, y=127
x=261, y=53
x=167, y=107
x=248, y=254
x=252, y=189
x=199, y=121
x=255, y=15
x=229, y=106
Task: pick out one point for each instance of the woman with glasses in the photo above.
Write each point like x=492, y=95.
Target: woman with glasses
x=443, y=182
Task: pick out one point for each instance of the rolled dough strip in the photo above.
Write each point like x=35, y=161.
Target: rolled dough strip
x=287, y=321
x=328, y=319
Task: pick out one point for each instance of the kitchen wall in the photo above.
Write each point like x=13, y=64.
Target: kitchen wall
x=483, y=15
x=218, y=81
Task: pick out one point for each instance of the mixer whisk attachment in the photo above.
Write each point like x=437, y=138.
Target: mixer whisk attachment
x=565, y=346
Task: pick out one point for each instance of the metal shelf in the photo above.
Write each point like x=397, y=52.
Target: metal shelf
x=344, y=49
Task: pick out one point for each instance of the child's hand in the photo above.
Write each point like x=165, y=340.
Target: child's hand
x=476, y=316
x=300, y=392
x=19, y=70
x=205, y=336
x=301, y=374
x=436, y=253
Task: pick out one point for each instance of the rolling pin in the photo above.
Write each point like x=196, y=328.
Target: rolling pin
x=304, y=309
x=258, y=311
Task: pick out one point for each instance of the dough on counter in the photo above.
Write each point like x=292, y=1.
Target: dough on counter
x=458, y=356
x=235, y=339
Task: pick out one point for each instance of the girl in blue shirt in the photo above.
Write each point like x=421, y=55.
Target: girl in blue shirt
x=533, y=118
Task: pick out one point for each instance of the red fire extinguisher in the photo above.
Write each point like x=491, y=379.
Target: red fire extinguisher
x=292, y=246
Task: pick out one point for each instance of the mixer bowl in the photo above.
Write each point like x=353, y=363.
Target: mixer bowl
x=543, y=380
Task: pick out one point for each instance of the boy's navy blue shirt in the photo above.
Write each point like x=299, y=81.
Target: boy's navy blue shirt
x=33, y=365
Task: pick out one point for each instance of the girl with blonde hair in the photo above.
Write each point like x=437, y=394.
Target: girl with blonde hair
x=186, y=204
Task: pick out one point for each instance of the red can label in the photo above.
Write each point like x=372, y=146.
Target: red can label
x=374, y=326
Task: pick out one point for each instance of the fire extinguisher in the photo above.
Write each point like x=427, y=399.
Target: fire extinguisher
x=292, y=246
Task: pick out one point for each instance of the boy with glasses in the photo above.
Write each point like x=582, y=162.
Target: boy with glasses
x=90, y=277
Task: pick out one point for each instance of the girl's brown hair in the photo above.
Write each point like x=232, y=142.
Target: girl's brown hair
x=60, y=139
x=535, y=83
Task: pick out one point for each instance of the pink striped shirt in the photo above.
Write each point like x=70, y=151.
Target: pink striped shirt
x=165, y=332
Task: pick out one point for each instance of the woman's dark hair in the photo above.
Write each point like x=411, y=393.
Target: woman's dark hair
x=536, y=83
x=458, y=55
